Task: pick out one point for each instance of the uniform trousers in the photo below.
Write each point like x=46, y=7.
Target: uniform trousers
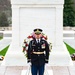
x=37, y=69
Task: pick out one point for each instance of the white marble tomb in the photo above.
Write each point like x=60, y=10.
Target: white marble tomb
x=30, y=14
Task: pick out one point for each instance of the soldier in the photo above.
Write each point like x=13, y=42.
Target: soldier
x=38, y=53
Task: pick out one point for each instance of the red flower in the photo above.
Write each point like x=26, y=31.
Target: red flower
x=26, y=44
x=29, y=37
x=44, y=37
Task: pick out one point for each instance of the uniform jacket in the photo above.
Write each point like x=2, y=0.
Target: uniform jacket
x=38, y=59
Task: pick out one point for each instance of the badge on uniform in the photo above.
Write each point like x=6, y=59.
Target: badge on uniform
x=43, y=46
x=33, y=43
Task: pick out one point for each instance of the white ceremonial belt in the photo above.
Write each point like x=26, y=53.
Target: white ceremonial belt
x=38, y=52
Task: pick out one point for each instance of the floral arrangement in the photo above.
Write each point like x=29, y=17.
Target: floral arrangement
x=31, y=37
x=73, y=56
x=1, y=57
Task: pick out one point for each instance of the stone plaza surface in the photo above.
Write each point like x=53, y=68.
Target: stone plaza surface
x=7, y=35
x=57, y=70
x=4, y=43
x=6, y=39
x=70, y=42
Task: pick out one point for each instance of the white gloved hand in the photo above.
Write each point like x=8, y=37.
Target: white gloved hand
x=29, y=63
x=46, y=64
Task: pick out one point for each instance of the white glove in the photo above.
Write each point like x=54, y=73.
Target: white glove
x=29, y=63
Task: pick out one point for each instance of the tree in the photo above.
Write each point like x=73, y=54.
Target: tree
x=69, y=13
x=3, y=20
x=5, y=5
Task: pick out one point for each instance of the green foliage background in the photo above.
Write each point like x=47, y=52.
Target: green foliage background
x=69, y=13
x=3, y=20
x=5, y=10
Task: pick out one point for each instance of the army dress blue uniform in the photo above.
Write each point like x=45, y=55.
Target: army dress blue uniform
x=38, y=55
